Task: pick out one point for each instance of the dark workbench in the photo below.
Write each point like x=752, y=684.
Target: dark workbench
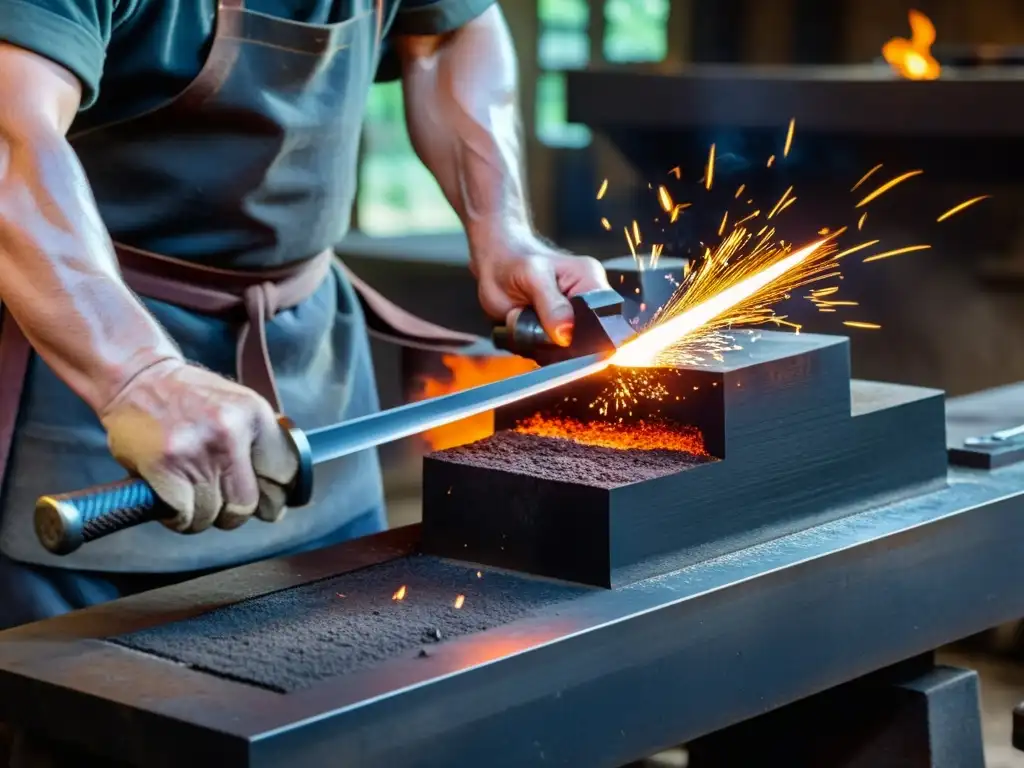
x=598, y=679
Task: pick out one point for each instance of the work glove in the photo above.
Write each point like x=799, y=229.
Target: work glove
x=535, y=275
x=211, y=449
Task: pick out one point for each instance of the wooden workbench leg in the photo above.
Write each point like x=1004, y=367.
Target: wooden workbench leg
x=904, y=718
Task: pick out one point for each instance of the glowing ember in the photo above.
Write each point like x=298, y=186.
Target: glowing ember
x=643, y=436
x=913, y=58
x=466, y=372
x=400, y=594
x=459, y=600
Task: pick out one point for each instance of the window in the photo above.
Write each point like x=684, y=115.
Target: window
x=635, y=30
x=397, y=194
x=564, y=43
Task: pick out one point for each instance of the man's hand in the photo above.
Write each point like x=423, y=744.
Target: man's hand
x=537, y=276
x=211, y=449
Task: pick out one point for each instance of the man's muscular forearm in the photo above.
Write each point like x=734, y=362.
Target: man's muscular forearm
x=463, y=115
x=58, y=274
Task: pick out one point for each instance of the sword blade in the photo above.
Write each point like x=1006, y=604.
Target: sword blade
x=334, y=442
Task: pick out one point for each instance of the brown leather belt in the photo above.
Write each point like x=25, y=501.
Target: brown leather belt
x=253, y=297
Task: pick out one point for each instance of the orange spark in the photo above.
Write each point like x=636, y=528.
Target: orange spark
x=887, y=186
x=771, y=161
x=677, y=172
x=400, y=594
x=459, y=600
x=753, y=215
x=603, y=189
x=856, y=248
x=789, y=137
x=782, y=200
x=479, y=575
x=665, y=199
x=606, y=224
x=897, y=252
x=721, y=227
x=636, y=233
x=857, y=324
x=740, y=191
x=866, y=176
x=677, y=210
x=957, y=208
x=709, y=174
x=861, y=220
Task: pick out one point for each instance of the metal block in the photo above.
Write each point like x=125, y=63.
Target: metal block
x=788, y=442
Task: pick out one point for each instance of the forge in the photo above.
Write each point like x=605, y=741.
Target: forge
x=634, y=472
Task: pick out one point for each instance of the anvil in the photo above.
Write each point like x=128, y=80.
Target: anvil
x=309, y=661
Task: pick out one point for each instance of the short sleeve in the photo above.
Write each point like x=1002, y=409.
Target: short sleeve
x=426, y=17
x=72, y=33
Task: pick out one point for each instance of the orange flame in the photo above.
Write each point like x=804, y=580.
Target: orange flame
x=912, y=58
x=468, y=372
x=400, y=594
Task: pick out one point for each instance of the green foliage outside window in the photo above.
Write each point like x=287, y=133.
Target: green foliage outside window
x=397, y=194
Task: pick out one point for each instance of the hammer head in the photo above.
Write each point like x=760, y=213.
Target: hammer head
x=599, y=326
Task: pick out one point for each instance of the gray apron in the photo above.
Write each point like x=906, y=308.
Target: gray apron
x=224, y=206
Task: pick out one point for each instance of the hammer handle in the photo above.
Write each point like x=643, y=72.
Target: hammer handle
x=67, y=521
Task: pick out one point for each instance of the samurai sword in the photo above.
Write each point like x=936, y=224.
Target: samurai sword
x=66, y=521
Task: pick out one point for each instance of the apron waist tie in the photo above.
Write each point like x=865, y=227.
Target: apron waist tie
x=212, y=291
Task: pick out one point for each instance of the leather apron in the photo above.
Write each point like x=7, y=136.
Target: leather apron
x=224, y=206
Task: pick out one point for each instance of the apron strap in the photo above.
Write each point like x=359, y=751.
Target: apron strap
x=261, y=295
x=15, y=354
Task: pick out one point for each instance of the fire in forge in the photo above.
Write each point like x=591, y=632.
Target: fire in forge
x=635, y=472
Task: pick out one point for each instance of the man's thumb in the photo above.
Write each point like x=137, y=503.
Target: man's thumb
x=553, y=308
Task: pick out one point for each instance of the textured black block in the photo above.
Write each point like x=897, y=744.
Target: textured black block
x=789, y=442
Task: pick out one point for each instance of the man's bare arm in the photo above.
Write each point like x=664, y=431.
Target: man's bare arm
x=211, y=449
x=462, y=109
x=58, y=274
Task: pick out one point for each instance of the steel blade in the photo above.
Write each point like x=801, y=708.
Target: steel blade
x=334, y=442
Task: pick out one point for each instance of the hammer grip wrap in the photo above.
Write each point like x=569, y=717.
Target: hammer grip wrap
x=66, y=522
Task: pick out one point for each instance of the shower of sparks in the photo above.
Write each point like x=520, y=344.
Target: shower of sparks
x=897, y=252
x=887, y=186
x=400, y=594
x=962, y=206
x=728, y=288
x=459, y=601
x=864, y=326
x=866, y=176
x=735, y=283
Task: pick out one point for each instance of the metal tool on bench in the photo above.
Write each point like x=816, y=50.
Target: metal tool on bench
x=64, y=522
x=1002, y=438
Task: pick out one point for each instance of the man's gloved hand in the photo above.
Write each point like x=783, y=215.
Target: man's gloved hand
x=535, y=275
x=211, y=449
